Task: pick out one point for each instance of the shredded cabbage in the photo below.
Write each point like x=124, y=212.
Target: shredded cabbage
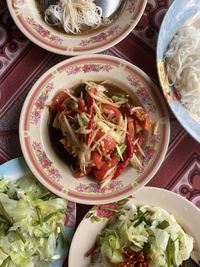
x=149, y=229
x=31, y=219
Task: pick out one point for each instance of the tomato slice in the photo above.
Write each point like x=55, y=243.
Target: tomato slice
x=146, y=124
x=111, y=112
x=100, y=174
x=107, y=143
x=97, y=159
x=59, y=98
x=99, y=135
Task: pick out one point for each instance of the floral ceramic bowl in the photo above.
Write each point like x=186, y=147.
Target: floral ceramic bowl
x=38, y=151
x=27, y=17
x=180, y=11
x=97, y=218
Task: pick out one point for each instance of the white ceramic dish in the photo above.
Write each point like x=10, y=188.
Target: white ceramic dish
x=27, y=17
x=95, y=220
x=52, y=171
x=17, y=168
x=179, y=12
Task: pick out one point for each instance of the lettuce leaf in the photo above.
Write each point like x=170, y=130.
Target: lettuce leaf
x=30, y=223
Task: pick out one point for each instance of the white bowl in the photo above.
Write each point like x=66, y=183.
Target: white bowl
x=52, y=171
x=187, y=215
x=27, y=17
x=179, y=12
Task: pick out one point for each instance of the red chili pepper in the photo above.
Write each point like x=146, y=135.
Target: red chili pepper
x=130, y=146
x=128, y=156
x=59, y=107
x=81, y=105
x=89, y=103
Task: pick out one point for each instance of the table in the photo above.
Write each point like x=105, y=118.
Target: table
x=22, y=63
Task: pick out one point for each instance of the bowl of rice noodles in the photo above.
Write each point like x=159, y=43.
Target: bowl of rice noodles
x=178, y=63
x=74, y=27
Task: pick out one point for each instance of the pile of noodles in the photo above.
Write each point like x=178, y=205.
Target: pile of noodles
x=73, y=15
x=183, y=67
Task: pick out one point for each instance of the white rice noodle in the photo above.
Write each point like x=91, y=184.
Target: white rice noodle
x=74, y=14
x=183, y=67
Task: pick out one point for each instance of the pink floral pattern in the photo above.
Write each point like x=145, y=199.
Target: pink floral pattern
x=46, y=34
x=95, y=188
x=46, y=163
x=89, y=68
x=103, y=36
x=142, y=93
x=149, y=150
x=40, y=103
x=101, y=212
x=131, y=6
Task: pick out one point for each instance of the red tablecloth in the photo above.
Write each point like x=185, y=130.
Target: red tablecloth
x=22, y=63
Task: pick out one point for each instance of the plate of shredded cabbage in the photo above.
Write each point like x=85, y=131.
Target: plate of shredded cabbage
x=76, y=26
x=93, y=129
x=36, y=227
x=148, y=229
x=178, y=63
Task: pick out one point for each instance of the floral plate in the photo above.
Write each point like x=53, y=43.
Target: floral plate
x=95, y=220
x=27, y=17
x=16, y=168
x=180, y=11
x=50, y=169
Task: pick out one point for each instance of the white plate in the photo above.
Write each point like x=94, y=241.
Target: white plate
x=50, y=169
x=17, y=168
x=184, y=211
x=28, y=19
x=179, y=12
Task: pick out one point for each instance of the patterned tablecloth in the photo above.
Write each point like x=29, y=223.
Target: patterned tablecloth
x=22, y=63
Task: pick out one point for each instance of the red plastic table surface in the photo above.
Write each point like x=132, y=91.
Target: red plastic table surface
x=22, y=63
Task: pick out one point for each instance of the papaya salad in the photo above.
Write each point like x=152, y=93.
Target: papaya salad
x=102, y=133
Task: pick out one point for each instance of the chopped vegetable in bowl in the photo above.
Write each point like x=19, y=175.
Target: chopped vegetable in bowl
x=103, y=133
x=31, y=219
x=142, y=236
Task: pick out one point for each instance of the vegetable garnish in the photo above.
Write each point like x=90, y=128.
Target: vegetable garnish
x=102, y=133
x=31, y=219
x=140, y=237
